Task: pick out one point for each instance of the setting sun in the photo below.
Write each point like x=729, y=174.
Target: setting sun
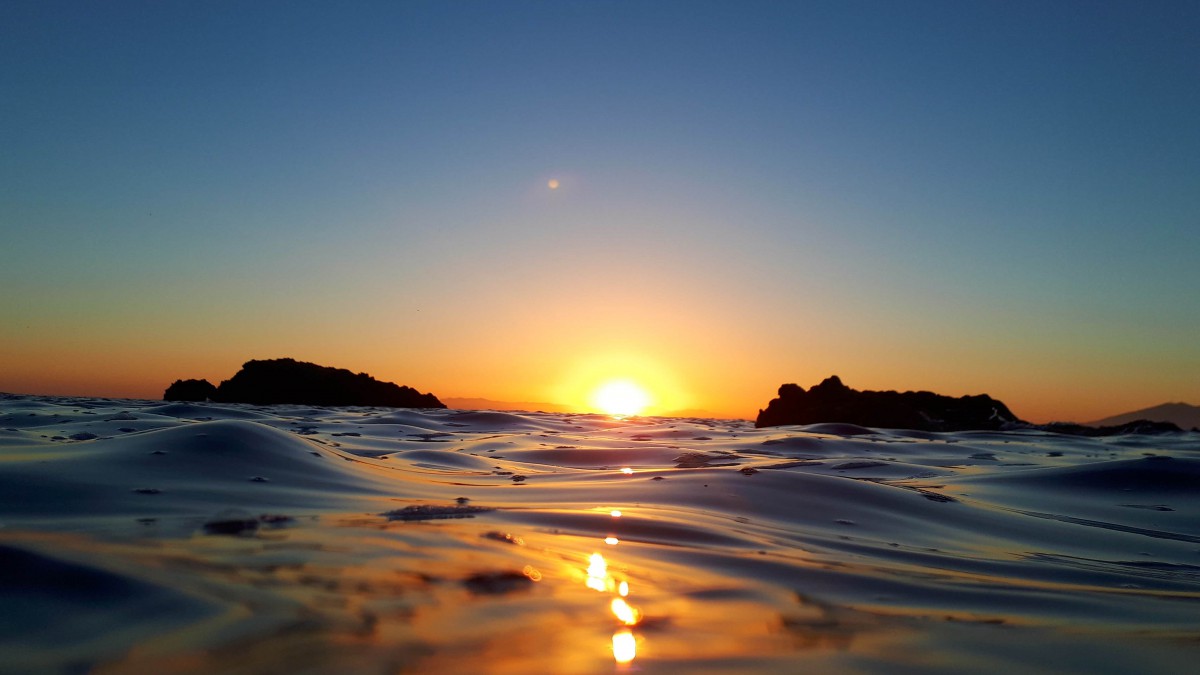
x=621, y=397
x=621, y=384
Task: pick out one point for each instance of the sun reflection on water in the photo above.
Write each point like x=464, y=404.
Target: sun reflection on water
x=624, y=646
x=532, y=572
x=624, y=612
x=599, y=578
x=597, y=573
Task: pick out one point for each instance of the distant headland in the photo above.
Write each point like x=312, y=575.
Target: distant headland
x=1180, y=414
x=833, y=401
x=271, y=381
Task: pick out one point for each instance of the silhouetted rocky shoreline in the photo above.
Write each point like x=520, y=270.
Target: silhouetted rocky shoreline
x=272, y=381
x=287, y=381
x=833, y=401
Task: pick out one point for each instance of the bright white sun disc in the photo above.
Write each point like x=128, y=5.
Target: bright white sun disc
x=621, y=397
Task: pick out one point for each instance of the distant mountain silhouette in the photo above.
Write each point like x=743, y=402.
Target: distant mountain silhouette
x=1179, y=414
x=699, y=413
x=1138, y=426
x=489, y=404
x=832, y=401
x=274, y=381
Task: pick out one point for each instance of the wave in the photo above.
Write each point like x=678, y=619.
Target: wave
x=211, y=538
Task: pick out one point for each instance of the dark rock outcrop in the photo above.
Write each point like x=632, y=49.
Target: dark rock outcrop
x=832, y=401
x=274, y=381
x=190, y=390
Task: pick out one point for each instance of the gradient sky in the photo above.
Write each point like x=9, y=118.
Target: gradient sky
x=966, y=197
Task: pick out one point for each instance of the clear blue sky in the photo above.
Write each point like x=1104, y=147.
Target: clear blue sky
x=957, y=196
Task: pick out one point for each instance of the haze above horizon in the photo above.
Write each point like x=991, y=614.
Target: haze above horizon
x=522, y=201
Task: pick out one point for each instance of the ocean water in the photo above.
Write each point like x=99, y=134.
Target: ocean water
x=140, y=536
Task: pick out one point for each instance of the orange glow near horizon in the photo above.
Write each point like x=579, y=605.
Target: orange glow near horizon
x=677, y=383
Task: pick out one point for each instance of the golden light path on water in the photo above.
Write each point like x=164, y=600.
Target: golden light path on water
x=600, y=579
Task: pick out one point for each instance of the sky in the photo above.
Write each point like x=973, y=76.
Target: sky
x=963, y=197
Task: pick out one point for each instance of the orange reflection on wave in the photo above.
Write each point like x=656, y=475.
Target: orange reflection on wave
x=532, y=572
x=598, y=579
x=597, y=573
x=624, y=646
x=628, y=615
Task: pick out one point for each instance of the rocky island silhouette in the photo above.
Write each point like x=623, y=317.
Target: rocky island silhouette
x=833, y=401
x=271, y=381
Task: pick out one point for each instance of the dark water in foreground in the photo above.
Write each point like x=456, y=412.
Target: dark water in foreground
x=141, y=537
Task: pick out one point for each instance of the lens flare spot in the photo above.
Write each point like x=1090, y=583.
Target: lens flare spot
x=623, y=588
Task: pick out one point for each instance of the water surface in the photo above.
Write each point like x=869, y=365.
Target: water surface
x=149, y=537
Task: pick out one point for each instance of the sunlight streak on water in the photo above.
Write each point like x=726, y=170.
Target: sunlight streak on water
x=597, y=573
x=624, y=646
x=627, y=614
x=599, y=579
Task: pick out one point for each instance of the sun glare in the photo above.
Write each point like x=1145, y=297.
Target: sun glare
x=621, y=385
x=621, y=398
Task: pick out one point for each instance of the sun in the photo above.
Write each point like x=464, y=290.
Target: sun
x=619, y=383
x=620, y=398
